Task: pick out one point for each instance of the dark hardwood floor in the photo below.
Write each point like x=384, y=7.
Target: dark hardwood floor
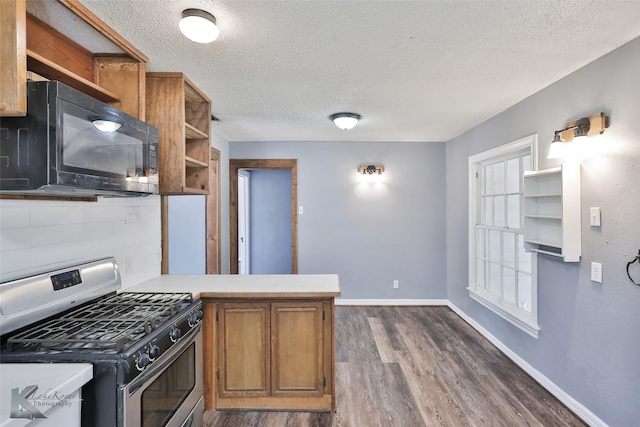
x=418, y=366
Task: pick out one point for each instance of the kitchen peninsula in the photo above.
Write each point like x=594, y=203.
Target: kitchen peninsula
x=269, y=340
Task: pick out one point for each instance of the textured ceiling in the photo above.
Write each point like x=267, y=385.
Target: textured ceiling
x=414, y=70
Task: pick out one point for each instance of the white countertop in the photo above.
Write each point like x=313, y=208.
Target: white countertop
x=58, y=384
x=245, y=286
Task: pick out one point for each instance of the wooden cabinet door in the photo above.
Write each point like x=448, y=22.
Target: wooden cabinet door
x=13, y=58
x=297, y=349
x=243, y=336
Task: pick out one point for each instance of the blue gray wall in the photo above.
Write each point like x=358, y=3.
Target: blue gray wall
x=589, y=342
x=188, y=227
x=368, y=232
x=270, y=222
x=187, y=234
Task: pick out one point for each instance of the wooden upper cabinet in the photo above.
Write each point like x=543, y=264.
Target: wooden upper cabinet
x=243, y=349
x=297, y=367
x=13, y=58
x=182, y=113
x=30, y=45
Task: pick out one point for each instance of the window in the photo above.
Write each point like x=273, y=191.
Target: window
x=502, y=275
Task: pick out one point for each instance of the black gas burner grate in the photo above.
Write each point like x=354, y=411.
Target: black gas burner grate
x=108, y=325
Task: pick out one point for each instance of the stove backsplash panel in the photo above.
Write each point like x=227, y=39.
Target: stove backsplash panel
x=38, y=235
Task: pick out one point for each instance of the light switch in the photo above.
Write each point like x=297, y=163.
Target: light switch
x=300, y=210
x=596, y=272
x=594, y=217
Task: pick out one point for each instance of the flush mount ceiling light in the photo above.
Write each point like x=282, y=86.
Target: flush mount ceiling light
x=199, y=26
x=371, y=169
x=106, y=125
x=345, y=121
x=586, y=126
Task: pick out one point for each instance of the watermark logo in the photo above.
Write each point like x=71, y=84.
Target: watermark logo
x=21, y=407
x=26, y=404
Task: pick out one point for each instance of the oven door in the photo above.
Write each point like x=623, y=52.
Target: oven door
x=169, y=392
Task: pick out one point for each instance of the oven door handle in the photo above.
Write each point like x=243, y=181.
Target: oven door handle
x=168, y=358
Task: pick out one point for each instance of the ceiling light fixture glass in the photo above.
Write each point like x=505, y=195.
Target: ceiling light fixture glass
x=345, y=121
x=557, y=148
x=199, y=26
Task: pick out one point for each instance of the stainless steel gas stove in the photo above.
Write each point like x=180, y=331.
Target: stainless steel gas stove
x=146, y=348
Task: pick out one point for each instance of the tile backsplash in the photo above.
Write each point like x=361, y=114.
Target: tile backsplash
x=42, y=235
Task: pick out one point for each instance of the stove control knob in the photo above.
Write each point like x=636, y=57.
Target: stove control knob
x=175, y=335
x=142, y=361
x=199, y=314
x=192, y=320
x=154, y=352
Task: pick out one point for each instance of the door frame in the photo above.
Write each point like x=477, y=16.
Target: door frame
x=234, y=166
x=213, y=215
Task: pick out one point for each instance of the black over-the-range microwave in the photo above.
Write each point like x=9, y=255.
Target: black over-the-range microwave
x=70, y=144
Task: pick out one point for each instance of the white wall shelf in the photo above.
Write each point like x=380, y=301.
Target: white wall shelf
x=552, y=224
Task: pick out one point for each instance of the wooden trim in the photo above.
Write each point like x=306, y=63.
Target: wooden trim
x=117, y=72
x=54, y=46
x=234, y=166
x=53, y=71
x=319, y=404
x=213, y=215
x=597, y=124
x=164, y=239
x=332, y=350
x=90, y=18
x=13, y=58
x=209, y=352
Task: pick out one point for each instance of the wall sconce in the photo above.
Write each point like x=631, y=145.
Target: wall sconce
x=371, y=169
x=586, y=126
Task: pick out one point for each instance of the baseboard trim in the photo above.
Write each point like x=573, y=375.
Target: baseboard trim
x=579, y=409
x=407, y=302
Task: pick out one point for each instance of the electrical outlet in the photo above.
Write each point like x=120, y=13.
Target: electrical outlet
x=132, y=214
x=396, y=283
x=596, y=272
x=128, y=264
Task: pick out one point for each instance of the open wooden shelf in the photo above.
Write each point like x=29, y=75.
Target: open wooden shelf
x=182, y=113
x=193, y=133
x=53, y=71
x=193, y=163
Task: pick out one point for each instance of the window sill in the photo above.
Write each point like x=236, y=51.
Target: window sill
x=527, y=325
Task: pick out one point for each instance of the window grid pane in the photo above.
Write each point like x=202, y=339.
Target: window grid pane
x=503, y=267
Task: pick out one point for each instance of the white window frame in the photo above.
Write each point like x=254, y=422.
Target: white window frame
x=527, y=321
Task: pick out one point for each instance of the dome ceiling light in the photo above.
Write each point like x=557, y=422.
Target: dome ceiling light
x=345, y=121
x=199, y=26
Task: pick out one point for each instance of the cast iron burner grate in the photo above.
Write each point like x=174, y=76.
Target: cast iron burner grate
x=109, y=325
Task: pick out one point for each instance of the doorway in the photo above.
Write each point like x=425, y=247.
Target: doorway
x=244, y=221
x=234, y=167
